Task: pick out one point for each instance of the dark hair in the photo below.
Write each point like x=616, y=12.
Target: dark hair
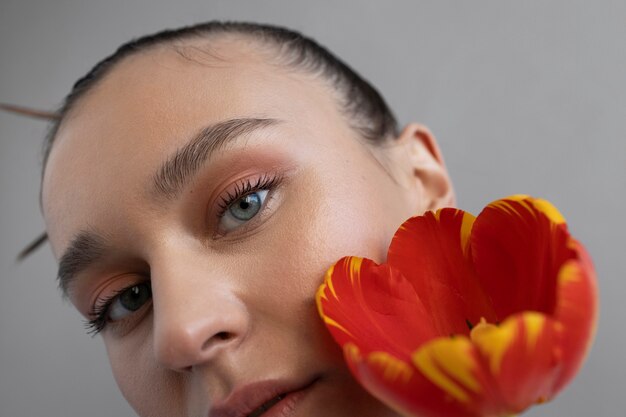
x=364, y=107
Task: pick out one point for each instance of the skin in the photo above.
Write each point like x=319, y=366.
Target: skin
x=228, y=307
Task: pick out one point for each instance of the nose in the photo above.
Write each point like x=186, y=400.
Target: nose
x=197, y=315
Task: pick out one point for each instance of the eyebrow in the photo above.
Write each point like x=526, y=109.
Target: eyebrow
x=84, y=250
x=88, y=247
x=179, y=168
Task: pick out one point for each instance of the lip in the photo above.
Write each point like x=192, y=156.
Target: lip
x=244, y=400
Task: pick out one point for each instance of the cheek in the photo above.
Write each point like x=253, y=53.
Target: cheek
x=357, y=216
x=314, y=230
x=150, y=390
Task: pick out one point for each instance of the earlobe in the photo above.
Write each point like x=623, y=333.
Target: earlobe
x=427, y=171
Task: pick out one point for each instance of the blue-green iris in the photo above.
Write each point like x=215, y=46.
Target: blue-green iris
x=246, y=207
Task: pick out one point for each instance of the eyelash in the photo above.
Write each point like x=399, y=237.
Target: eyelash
x=99, y=312
x=243, y=188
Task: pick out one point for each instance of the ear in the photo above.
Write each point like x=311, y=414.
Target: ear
x=424, y=169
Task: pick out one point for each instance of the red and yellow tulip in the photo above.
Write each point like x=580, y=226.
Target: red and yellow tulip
x=470, y=316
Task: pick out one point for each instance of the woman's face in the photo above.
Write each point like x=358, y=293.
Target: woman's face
x=209, y=230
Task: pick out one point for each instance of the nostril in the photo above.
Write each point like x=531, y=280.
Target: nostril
x=217, y=337
x=223, y=336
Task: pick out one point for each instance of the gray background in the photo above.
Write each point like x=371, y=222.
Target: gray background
x=524, y=96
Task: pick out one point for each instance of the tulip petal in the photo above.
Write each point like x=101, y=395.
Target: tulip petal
x=388, y=378
x=519, y=244
x=522, y=357
x=576, y=311
x=373, y=312
x=374, y=307
x=401, y=386
x=432, y=251
x=449, y=364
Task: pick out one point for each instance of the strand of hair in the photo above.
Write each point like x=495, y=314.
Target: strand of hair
x=25, y=111
x=40, y=240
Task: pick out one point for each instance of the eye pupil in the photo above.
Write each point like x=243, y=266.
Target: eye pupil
x=246, y=207
x=135, y=297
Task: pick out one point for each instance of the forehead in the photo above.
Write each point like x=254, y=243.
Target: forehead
x=151, y=104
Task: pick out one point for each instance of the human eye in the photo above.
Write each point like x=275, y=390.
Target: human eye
x=244, y=202
x=118, y=306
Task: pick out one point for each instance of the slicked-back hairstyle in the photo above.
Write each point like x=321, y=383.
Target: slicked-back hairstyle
x=364, y=108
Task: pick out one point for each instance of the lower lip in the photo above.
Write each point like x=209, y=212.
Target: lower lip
x=287, y=406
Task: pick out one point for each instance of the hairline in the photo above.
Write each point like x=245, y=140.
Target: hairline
x=307, y=57
x=178, y=45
